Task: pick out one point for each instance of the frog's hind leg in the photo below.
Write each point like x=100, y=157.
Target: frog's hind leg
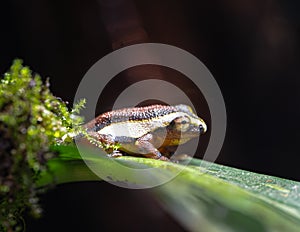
x=146, y=148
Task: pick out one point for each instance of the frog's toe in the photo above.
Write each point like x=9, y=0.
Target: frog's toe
x=163, y=158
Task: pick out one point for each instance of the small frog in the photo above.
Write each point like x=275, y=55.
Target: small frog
x=151, y=131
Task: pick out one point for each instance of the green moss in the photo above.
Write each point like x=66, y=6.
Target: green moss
x=31, y=120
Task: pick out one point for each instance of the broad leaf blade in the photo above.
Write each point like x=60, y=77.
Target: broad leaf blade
x=227, y=199
x=219, y=198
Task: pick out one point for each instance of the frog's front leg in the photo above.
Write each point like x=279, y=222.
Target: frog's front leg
x=147, y=149
x=169, y=151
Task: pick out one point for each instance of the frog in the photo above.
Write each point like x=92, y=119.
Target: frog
x=152, y=131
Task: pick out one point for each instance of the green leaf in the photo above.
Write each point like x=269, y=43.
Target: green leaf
x=203, y=197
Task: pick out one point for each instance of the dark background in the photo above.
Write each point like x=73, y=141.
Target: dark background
x=250, y=46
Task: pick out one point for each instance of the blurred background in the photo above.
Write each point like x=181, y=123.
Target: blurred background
x=252, y=48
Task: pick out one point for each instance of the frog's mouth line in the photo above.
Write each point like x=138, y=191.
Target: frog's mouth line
x=198, y=130
x=191, y=133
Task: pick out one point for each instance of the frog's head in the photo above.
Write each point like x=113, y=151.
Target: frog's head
x=189, y=121
x=186, y=124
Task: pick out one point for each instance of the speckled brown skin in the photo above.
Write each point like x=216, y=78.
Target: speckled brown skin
x=152, y=141
x=129, y=114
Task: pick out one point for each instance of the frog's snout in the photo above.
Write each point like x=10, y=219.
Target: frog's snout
x=202, y=128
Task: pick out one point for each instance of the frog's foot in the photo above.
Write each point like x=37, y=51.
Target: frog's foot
x=164, y=158
x=115, y=154
x=180, y=158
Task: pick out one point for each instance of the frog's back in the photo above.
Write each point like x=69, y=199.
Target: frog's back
x=135, y=114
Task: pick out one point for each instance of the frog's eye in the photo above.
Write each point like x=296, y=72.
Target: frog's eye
x=181, y=123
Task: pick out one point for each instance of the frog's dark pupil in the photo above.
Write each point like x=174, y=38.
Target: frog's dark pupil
x=184, y=122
